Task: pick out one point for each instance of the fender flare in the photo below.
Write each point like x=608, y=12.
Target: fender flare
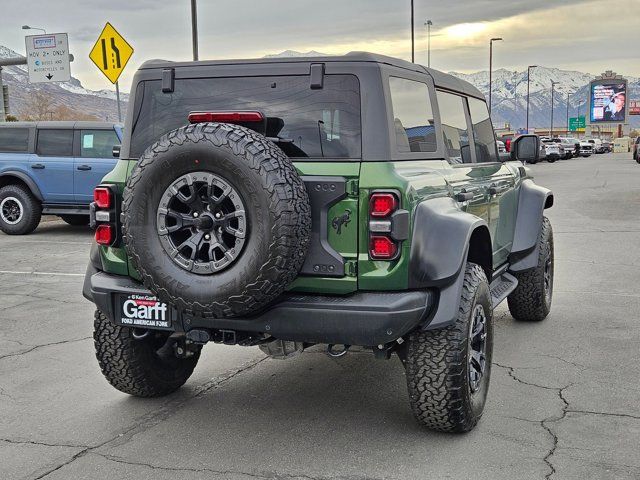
x=439, y=251
x=26, y=179
x=440, y=243
x=532, y=202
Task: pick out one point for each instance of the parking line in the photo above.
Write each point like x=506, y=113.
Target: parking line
x=59, y=274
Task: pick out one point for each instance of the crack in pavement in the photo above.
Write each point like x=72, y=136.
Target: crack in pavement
x=154, y=417
x=605, y=414
x=263, y=475
x=544, y=422
x=36, y=347
x=44, y=444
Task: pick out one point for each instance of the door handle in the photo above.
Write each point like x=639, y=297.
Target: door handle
x=37, y=166
x=84, y=167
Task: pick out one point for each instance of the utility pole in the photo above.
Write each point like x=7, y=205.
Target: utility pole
x=528, y=91
x=553, y=84
x=497, y=39
x=568, y=94
x=413, y=43
x=428, y=23
x=194, y=29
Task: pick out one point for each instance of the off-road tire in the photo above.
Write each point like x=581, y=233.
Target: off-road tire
x=131, y=365
x=31, y=210
x=76, y=220
x=276, y=204
x=529, y=301
x=437, y=364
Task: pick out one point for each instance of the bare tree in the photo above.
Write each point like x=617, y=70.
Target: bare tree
x=39, y=107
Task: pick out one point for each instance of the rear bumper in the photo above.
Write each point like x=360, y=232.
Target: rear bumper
x=363, y=318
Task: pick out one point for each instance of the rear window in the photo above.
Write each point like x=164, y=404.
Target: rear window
x=98, y=143
x=14, y=139
x=412, y=116
x=321, y=123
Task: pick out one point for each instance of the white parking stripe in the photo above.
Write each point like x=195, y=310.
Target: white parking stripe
x=48, y=241
x=58, y=274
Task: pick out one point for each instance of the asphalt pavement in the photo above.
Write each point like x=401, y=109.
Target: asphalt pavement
x=563, y=401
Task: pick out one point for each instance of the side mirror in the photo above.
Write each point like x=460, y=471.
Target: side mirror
x=526, y=148
x=116, y=151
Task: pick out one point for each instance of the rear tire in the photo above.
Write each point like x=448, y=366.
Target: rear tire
x=445, y=391
x=76, y=220
x=531, y=300
x=133, y=366
x=20, y=211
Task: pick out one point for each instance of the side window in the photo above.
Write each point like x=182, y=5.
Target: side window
x=98, y=143
x=454, y=127
x=55, y=143
x=482, y=131
x=14, y=139
x=412, y=116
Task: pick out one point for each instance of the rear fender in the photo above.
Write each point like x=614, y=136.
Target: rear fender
x=444, y=238
x=532, y=202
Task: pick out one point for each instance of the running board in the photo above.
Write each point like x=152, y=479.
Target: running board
x=501, y=287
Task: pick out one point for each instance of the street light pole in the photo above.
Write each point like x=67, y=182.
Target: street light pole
x=27, y=27
x=194, y=29
x=553, y=84
x=568, y=94
x=491, y=67
x=413, y=47
x=428, y=23
x=528, y=91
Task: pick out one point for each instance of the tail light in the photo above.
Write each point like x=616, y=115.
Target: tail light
x=383, y=210
x=103, y=215
x=105, y=234
x=103, y=197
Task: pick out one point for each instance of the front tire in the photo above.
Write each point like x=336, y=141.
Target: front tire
x=20, y=211
x=133, y=366
x=448, y=370
x=531, y=300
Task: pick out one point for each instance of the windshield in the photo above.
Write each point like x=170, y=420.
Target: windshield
x=321, y=123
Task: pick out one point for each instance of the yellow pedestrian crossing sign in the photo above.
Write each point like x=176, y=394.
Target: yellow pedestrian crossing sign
x=111, y=53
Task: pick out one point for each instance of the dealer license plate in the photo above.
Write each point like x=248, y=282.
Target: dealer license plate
x=143, y=311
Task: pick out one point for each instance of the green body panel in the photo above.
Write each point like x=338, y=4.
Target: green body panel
x=415, y=181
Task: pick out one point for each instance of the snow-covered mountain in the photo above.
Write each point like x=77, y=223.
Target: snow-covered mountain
x=293, y=53
x=509, y=95
x=100, y=104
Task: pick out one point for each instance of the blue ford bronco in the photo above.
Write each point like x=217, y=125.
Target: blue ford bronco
x=52, y=168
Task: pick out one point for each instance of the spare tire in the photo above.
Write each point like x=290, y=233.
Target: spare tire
x=216, y=220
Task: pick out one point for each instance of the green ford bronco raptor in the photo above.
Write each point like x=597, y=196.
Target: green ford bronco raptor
x=357, y=200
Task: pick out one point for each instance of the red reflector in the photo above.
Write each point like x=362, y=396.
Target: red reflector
x=382, y=248
x=102, y=197
x=382, y=204
x=225, y=117
x=104, y=235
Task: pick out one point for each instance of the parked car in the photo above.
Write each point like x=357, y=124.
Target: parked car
x=501, y=147
x=571, y=146
x=568, y=147
x=608, y=146
x=551, y=150
x=636, y=150
x=586, y=148
x=283, y=218
x=598, y=145
x=52, y=168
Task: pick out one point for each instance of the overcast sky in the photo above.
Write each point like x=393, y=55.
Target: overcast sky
x=588, y=36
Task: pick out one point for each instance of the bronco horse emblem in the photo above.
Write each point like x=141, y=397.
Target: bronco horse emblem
x=343, y=219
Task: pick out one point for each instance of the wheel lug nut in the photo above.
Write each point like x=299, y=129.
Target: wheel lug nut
x=218, y=215
x=207, y=237
x=195, y=214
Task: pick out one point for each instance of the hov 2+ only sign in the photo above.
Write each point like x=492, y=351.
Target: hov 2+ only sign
x=48, y=58
x=111, y=53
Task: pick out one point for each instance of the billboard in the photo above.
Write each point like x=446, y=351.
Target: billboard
x=634, y=107
x=608, y=102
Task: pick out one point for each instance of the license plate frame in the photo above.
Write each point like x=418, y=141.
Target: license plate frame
x=143, y=311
